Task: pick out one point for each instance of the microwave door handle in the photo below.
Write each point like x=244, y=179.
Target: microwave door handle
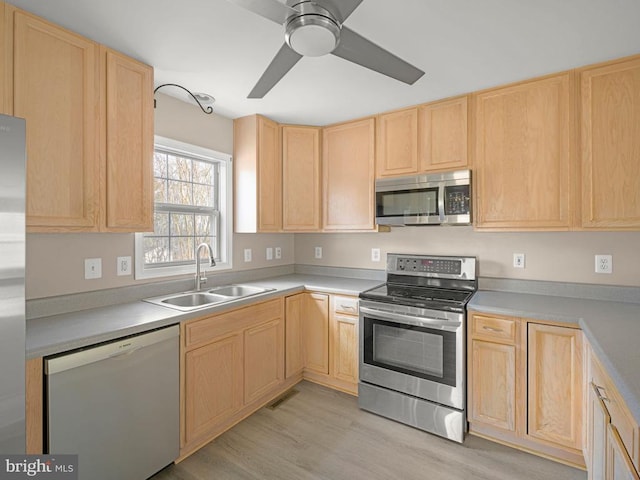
x=441, y=202
x=435, y=323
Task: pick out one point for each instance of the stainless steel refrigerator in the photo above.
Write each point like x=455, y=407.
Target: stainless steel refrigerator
x=12, y=296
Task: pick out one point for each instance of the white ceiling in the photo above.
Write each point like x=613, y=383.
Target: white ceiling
x=219, y=48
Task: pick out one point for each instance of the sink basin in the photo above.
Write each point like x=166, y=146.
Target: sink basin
x=193, y=299
x=238, y=290
x=188, y=301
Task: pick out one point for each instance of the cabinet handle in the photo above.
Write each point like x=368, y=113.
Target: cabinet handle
x=347, y=307
x=491, y=329
x=602, y=392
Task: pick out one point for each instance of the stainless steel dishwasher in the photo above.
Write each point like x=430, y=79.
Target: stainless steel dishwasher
x=117, y=406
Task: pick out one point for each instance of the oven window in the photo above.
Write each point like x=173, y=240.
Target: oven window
x=412, y=350
x=407, y=202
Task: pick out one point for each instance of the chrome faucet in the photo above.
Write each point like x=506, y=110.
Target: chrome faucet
x=200, y=278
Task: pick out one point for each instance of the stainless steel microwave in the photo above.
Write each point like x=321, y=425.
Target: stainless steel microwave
x=433, y=199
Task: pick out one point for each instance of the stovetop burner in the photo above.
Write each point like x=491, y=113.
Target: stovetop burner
x=442, y=283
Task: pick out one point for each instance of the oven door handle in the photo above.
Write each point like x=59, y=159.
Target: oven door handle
x=435, y=323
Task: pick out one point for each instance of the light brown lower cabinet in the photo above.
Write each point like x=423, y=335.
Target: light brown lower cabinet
x=327, y=328
x=232, y=363
x=611, y=447
x=525, y=385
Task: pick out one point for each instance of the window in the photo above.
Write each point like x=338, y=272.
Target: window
x=192, y=194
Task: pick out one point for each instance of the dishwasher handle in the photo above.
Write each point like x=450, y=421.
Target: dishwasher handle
x=112, y=350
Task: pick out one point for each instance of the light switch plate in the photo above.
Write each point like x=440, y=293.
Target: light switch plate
x=92, y=268
x=269, y=253
x=518, y=260
x=247, y=254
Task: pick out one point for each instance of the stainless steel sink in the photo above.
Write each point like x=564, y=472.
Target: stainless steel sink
x=238, y=290
x=188, y=301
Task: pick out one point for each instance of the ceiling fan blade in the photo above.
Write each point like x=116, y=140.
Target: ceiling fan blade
x=341, y=9
x=284, y=60
x=357, y=49
x=270, y=9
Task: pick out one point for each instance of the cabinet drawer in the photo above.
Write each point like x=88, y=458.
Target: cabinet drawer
x=621, y=418
x=345, y=305
x=495, y=328
x=203, y=330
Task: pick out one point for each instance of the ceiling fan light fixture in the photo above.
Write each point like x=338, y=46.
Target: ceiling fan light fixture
x=312, y=35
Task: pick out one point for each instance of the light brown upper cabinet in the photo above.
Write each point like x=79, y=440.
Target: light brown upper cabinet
x=301, y=179
x=524, y=146
x=56, y=89
x=442, y=135
x=348, y=175
x=397, y=143
x=610, y=145
x=129, y=144
x=257, y=175
x=89, y=114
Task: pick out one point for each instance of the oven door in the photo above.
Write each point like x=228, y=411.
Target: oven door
x=418, y=355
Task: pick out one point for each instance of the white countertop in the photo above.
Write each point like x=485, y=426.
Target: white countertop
x=61, y=333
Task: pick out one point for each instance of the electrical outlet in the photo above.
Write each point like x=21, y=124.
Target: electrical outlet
x=123, y=266
x=278, y=253
x=92, y=268
x=375, y=254
x=269, y=253
x=518, y=260
x=604, y=264
x=247, y=254
x=318, y=252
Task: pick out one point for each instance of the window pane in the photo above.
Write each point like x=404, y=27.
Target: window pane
x=161, y=224
x=179, y=168
x=180, y=193
x=159, y=164
x=182, y=225
x=160, y=190
x=203, y=225
x=203, y=172
x=203, y=195
x=182, y=249
x=156, y=250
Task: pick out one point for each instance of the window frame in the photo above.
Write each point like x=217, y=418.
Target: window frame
x=225, y=200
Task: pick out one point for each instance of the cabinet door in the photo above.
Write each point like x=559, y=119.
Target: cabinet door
x=315, y=327
x=269, y=176
x=523, y=153
x=597, y=420
x=492, y=385
x=397, y=143
x=55, y=88
x=301, y=179
x=129, y=144
x=263, y=359
x=619, y=465
x=348, y=176
x=344, y=348
x=554, y=407
x=610, y=97
x=294, y=315
x=213, y=385
x=442, y=135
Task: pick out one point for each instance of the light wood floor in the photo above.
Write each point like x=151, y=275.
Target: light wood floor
x=321, y=434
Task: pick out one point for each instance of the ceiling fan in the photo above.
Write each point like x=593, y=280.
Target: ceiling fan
x=314, y=28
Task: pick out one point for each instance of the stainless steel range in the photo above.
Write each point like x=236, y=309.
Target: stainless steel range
x=412, y=343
